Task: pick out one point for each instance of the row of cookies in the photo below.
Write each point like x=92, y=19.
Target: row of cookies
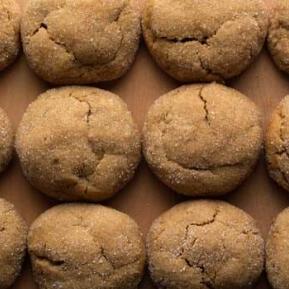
x=83, y=42
x=197, y=244
x=81, y=143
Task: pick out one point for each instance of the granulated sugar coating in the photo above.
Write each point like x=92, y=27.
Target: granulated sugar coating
x=9, y=32
x=202, y=140
x=205, y=244
x=85, y=246
x=278, y=37
x=80, y=41
x=78, y=143
x=13, y=232
x=277, y=140
x=277, y=259
x=6, y=139
x=204, y=40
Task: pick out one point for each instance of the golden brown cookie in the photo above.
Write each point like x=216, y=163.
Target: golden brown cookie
x=277, y=144
x=202, y=140
x=9, y=32
x=80, y=42
x=78, y=143
x=205, y=244
x=84, y=246
x=277, y=248
x=209, y=40
x=278, y=36
x=13, y=232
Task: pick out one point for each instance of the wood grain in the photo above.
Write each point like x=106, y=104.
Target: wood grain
x=145, y=197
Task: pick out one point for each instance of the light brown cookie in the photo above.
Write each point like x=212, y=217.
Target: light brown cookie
x=84, y=246
x=9, y=32
x=278, y=36
x=13, y=232
x=277, y=144
x=6, y=140
x=78, y=143
x=80, y=42
x=205, y=244
x=195, y=40
x=277, y=249
x=202, y=140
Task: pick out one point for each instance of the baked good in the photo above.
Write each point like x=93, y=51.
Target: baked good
x=78, y=143
x=202, y=140
x=202, y=41
x=9, y=32
x=85, y=246
x=80, y=42
x=205, y=244
x=13, y=232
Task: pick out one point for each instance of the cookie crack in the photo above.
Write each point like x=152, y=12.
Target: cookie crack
x=205, y=103
x=48, y=260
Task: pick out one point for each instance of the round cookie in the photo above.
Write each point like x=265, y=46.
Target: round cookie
x=85, y=246
x=278, y=35
x=205, y=244
x=80, y=42
x=277, y=144
x=13, y=232
x=6, y=140
x=277, y=249
x=9, y=32
x=202, y=140
x=78, y=143
x=213, y=39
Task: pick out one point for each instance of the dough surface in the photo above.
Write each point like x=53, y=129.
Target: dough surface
x=13, y=232
x=9, y=32
x=78, y=143
x=85, y=246
x=202, y=41
x=80, y=42
x=203, y=245
x=202, y=140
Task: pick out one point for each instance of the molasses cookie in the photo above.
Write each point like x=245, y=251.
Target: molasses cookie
x=85, y=246
x=202, y=140
x=78, y=143
x=13, y=232
x=80, y=42
x=204, y=40
x=205, y=244
x=9, y=32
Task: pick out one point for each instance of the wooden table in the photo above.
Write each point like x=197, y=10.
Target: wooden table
x=145, y=197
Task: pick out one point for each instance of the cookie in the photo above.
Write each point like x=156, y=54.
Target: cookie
x=13, y=232
x=9, y=32
x=277, y=249
x=205, y=244
x=202, y=140
x=85, y=246
x=78, y=143
x=202, y=41
x=277, y=144
x=278, y=35
x=6, y=140
x=80, y=42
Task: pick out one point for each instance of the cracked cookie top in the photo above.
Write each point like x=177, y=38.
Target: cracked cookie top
x=202, y=139
x=207, y=40
x=205, y=245
x=78, y=143
x=278, y=36
x=80, y=42
x=9, y=32
x=13, y=232
x=85, y=246
x=277, y=144
x=277, y=248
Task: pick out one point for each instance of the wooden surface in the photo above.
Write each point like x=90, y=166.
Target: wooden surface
x=145, y=197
